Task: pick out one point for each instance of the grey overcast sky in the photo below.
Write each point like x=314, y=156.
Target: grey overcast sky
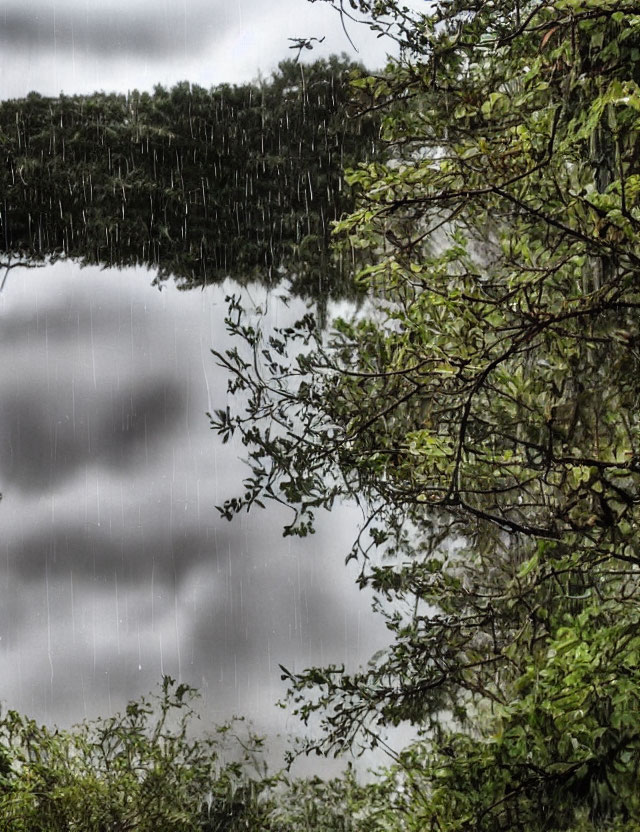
x=115, y=567
x=77, y=46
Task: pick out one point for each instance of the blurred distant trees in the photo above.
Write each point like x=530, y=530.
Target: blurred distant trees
x=198, y=184
x=145, y=770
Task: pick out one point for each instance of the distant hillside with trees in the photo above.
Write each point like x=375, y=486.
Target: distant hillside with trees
x=198, y=184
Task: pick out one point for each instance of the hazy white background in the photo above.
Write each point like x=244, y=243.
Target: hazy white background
x=84, y=45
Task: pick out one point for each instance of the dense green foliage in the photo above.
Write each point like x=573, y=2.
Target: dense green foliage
x=198, y=184
x=485, y=413
x=146, y=770
x=138, y=770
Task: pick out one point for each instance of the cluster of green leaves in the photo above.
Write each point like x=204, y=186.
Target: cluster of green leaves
x=147, y=770
x=198, y=184
x=484, y=413
x=140, y=770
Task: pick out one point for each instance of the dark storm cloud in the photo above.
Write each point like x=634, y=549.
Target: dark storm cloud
x=101, y=556
x=47, y=435
x=14, y=613
x=142, y=31
x=68, y=321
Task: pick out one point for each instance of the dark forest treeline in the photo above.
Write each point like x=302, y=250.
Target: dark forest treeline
x=199, y=184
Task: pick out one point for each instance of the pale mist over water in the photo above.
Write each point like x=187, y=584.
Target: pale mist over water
x=115, y=567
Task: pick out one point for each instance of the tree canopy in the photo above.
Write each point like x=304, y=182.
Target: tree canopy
x=484, y=412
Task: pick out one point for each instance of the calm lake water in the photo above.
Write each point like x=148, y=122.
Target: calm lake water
x=115, y=567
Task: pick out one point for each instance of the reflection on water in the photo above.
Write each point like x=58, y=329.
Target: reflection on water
x=198, y=184
x=115, y=567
